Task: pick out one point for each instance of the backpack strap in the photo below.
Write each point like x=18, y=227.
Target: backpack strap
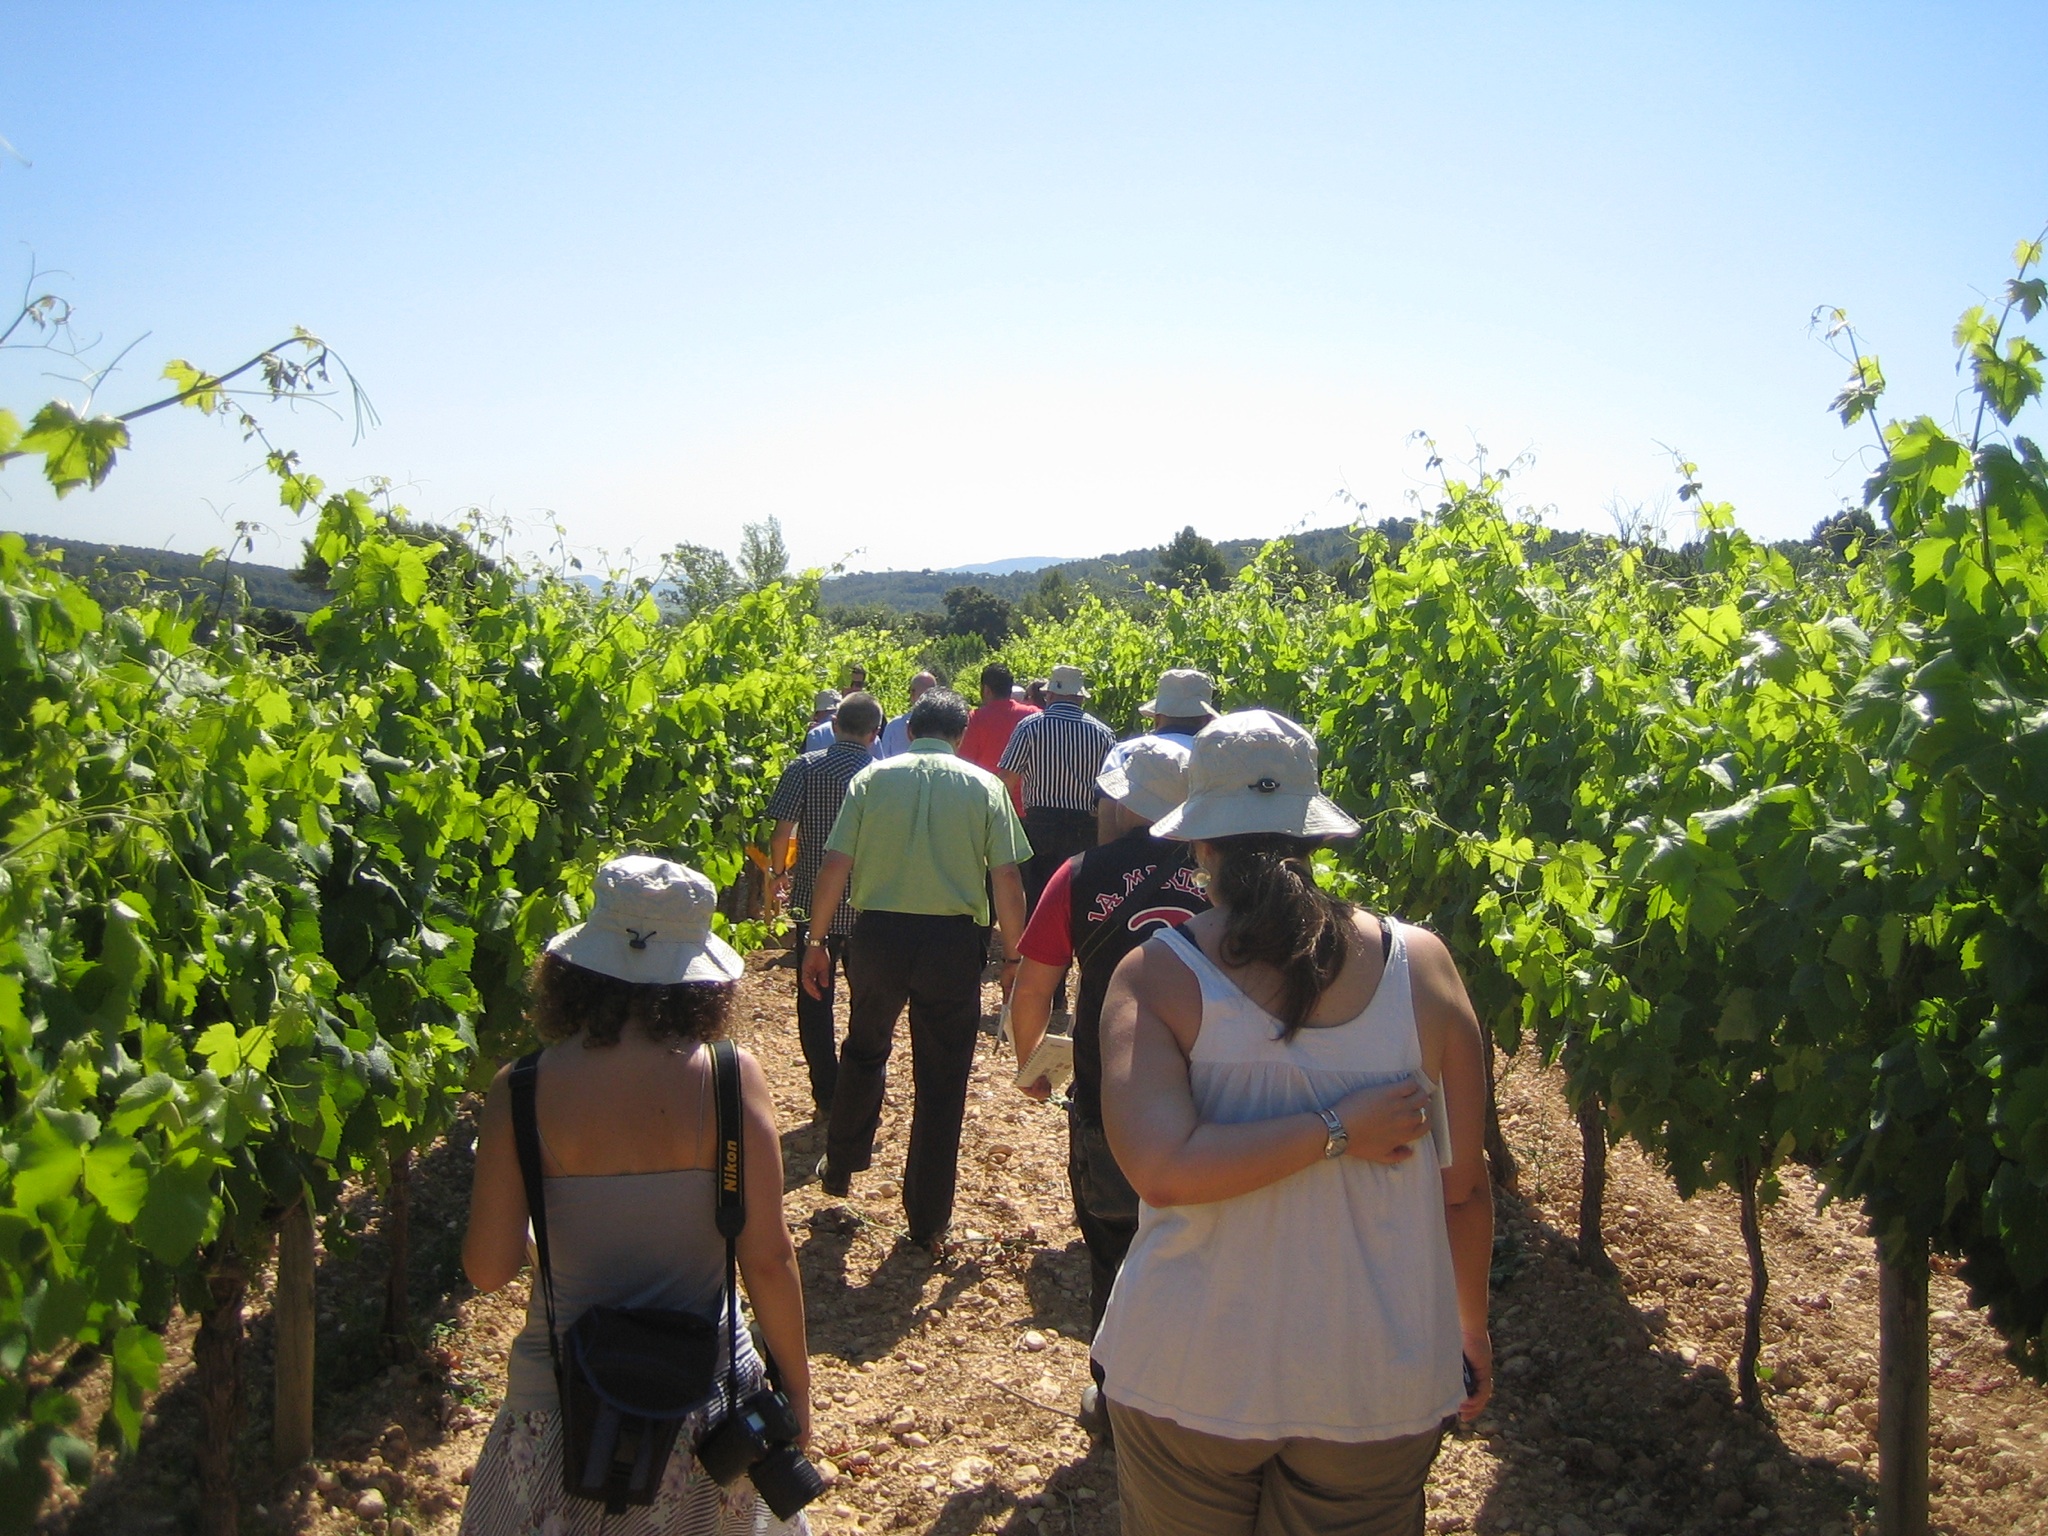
x=730, y=1210
x=525, y=1079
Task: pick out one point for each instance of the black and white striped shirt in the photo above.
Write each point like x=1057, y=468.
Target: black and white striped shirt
x=810, y=794
x=1058, y=753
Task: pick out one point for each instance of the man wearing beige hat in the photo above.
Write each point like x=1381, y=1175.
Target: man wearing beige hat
x=1180, y=706
x=1097, y=908
x=1050, y=765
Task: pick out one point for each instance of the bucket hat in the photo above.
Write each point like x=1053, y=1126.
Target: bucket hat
x=1182, y=694
x=1067, y=683
x=1253, y=771
x=650, y=922
x=828, y=698
x=1148, y=775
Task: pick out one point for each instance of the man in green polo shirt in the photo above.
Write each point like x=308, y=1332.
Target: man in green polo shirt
x=920, y=841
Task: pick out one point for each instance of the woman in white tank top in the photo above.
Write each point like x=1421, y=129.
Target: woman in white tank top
x=1295, y=1090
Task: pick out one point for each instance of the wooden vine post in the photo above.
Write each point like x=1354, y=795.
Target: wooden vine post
x=217, y=1362
x=292, y=1312
x=1593, y=1184
x=1507, y=1173
x=1902, y=1391
x=397, y=1323
x=1759, y=1288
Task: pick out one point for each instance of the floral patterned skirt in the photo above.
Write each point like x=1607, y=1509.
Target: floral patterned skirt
x=516, y=1490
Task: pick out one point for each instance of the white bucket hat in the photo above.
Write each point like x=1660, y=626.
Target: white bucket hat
x=1067, y=683
x=1148, y=775
x=650, y=922
x=1253, y=771
x=1182, y=694
x=828, y=698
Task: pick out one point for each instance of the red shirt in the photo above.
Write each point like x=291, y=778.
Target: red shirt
x=1049, y=936
x=989, y=730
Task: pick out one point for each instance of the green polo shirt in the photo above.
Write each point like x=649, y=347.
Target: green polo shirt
x=923, y=829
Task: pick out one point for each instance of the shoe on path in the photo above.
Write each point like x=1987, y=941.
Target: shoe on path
x=837, y=1185
x=1093, y=1415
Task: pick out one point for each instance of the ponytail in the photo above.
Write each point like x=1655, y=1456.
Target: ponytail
x=1275, y=914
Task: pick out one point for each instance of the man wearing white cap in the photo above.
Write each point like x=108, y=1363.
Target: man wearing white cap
x=824, y=707
x=1097, y=908
x=1050, y=765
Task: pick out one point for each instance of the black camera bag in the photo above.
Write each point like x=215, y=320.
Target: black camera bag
x=628, y=1377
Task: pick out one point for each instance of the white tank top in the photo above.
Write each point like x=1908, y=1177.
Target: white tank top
x=1322, y=1306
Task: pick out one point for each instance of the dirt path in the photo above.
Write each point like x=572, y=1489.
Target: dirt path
x=945, y=1395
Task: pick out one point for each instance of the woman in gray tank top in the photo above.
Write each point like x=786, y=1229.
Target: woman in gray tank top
x=1294, y=1088
x=626, y=1004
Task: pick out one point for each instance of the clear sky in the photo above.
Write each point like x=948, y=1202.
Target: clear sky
x=944, y=283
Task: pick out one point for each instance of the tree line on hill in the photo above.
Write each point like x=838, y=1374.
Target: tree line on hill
x=964, y=613
x=960, y=615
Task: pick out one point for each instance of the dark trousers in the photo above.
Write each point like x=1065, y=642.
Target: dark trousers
x=934, y=965
x=1105, y=1209
x=814, y=1026
x=1056, y=836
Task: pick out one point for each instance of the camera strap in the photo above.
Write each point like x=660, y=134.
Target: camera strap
x=730, y=1211
x=526, y=1138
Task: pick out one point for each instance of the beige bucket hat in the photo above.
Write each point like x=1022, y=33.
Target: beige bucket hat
x=1254, y=771
x=1182, y=694
x=1067, y=683
x=650, y=922
x=1149, y=775
x=828, y=698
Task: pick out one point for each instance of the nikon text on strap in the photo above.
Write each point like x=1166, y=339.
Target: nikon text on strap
x=731, y=1209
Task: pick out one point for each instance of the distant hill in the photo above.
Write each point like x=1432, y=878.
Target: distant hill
x=117, y=571
x=1009, y=567
x=924, y=591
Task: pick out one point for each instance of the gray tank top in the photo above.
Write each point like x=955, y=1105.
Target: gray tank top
x=621, y=1240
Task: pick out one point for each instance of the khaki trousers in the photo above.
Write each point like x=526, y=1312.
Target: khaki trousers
x=1175, y=1481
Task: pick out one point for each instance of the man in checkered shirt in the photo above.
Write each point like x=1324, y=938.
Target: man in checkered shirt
x=806, y=803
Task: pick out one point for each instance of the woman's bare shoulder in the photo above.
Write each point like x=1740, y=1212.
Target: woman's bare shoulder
x=1441, y=1005
x=1155, y=974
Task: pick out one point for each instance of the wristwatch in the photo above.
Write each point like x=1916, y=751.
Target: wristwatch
x=1336, y=1138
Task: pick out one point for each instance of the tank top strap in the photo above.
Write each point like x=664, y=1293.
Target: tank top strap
x=1216, y=987
x=1394, y=949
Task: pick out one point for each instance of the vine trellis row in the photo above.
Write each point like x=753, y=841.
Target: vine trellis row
x=1756, y=850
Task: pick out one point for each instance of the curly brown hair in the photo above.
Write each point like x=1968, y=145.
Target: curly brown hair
x=565, y=1000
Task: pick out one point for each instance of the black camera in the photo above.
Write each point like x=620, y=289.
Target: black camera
x=758, y=1438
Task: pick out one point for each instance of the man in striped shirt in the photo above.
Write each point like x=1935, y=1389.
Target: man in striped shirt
x=1050, y=765
x=807, y=802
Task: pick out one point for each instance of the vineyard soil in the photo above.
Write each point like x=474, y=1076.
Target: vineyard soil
x=945, y=1394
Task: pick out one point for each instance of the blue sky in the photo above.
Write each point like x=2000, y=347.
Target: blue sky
x=942, y=283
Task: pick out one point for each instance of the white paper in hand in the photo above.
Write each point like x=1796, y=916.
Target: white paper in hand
x=1053, y=1061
